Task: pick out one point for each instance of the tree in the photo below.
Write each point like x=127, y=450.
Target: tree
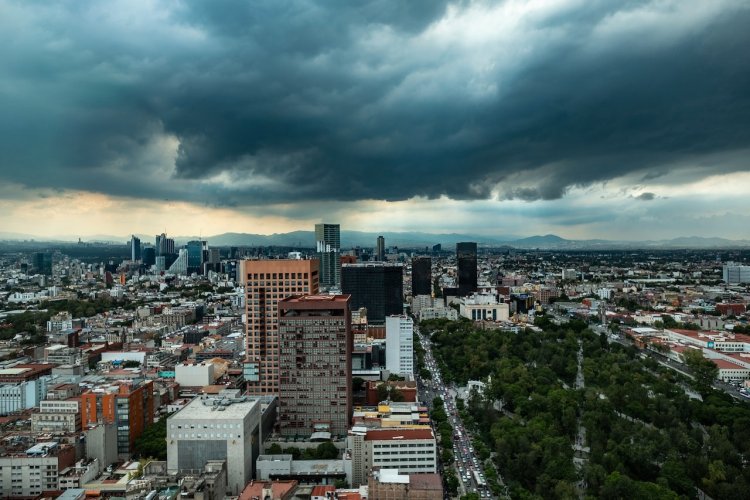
x=327, y=451
x=704, y=370
x=340, y=484
x=357, y=384
x=275, y=449
x=451, y=482
x=152, y=443
x=471, y=496
x=131, y=363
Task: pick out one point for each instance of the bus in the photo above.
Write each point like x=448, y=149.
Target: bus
x=480, y=482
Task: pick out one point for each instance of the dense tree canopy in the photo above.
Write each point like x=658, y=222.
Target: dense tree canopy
x=644, y=435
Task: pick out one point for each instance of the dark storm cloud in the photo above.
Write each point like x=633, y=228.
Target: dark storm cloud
x=646, y=196
x=285, y=101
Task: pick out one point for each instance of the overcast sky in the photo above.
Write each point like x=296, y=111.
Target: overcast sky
x=584, y=118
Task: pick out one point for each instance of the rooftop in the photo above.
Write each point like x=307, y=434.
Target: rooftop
x=205, y=407
x=398, y=434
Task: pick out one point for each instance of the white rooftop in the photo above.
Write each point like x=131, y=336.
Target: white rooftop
x=392, y=476
x=216, y=408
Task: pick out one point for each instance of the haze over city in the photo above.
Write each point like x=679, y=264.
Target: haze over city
x=619, y=120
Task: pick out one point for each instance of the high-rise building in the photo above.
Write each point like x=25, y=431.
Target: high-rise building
x=736, y=273
x=421, y=276
x=380, y=249
x=135, y=248
x=180, y=266
x=267, y=282
x=43, y=263
x=328, y=248
x=315, y=388
x=194, y=255
x=466, y=255
x=378, y=287
x=164, y=245
x=399, y=345
x=148, y=255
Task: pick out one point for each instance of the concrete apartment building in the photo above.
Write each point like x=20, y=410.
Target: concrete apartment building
x=316, y=351
x=266, y=283
x=27, y=471
x=225, y=427
x=399, y=345
x=57, y=416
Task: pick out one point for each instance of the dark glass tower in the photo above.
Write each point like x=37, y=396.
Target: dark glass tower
x=466, y=255
x=421, y=276
x=43, y=263
x=378, y=287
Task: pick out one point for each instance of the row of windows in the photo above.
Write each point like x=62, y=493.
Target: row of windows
x=397, y=455
x=207, y=426
x=210, y=435
x=405, y=445
x=286, y=276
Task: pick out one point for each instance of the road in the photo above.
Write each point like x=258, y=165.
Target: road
x=467, y=465
x=670, y=363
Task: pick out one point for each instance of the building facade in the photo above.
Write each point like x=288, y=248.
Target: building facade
x=128, y=405
x=57, y=417
x=399, y=345
x=466, y=257
x=266, y=283
x=315, y=389
x=26, y=473
x=421, y=276
x=225, y=427
x=135, y=248
x=328, y=248
x=380, y=249
x=378, y=287
x=409, y=451
x=736, y=273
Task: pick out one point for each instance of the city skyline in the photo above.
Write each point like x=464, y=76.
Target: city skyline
x=611, y=120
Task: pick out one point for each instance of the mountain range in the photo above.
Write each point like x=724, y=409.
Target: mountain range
x=306, y=239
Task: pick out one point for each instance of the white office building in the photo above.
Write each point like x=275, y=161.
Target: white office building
x=224, y=427
x=736, y=273
x=410, y=451
x=399, y=345
x=484, y=307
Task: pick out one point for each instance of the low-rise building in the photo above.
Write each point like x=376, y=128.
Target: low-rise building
x=224, y=427
x=27, y=472
x=57, y=417
x=390, y=484
x=409, y=451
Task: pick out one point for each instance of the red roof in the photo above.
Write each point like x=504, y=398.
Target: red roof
x=727, y=365
x=396, y=434
x=320, y=491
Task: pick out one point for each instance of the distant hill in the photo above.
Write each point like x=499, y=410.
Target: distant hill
x=349, y=239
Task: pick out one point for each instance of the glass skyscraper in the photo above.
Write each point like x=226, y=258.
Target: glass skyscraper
x=466, y=255
x=378, y=287
x=328, y=248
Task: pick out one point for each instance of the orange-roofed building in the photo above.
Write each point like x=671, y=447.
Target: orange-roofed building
x=273, y=490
